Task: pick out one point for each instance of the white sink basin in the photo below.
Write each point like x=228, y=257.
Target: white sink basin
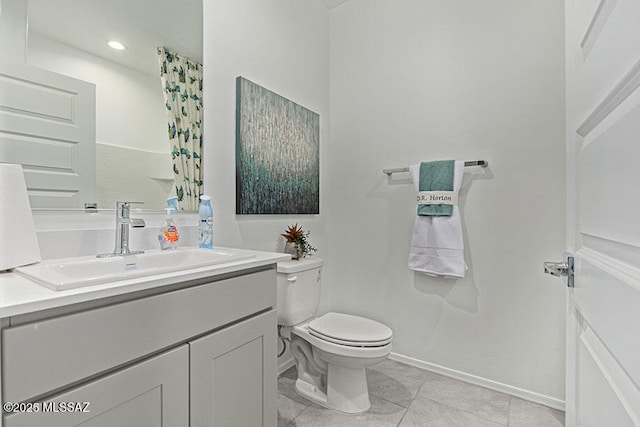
x=70, y=273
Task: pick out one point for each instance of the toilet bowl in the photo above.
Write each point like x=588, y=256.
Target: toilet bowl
x=332, y=351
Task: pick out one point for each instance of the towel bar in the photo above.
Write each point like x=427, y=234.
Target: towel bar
x=482, y=163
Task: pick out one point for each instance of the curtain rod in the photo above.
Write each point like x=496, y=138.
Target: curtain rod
x=482, y=163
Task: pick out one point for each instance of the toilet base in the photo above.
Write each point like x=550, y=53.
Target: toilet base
x=347, y=390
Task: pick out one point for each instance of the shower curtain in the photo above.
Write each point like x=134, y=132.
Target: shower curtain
x=182, y=87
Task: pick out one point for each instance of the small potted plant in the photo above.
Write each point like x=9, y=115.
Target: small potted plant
x=297, y=243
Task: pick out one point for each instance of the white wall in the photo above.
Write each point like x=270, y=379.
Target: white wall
x=118, y=167
x=282, y=45
x=13, y=30
x=416, y=80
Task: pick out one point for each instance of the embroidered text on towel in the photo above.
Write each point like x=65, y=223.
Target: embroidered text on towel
x=437, y=198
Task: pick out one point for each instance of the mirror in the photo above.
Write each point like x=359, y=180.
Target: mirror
x=133, y=158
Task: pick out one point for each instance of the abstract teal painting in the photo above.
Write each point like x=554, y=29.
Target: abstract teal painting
x=277, y=153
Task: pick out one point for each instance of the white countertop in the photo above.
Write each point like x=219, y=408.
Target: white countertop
x=19, y=295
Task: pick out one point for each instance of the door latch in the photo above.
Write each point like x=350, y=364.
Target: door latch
x=562, y=269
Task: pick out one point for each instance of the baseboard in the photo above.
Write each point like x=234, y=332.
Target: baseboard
x=285, y=364
x=531, y=396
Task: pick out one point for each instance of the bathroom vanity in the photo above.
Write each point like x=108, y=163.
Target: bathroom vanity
x=192, y=347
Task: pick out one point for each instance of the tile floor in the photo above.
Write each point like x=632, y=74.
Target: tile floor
x=406, y=396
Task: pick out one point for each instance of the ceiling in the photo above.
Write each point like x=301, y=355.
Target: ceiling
x=141, y=25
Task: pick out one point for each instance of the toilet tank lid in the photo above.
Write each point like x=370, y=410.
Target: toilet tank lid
x=296, y=266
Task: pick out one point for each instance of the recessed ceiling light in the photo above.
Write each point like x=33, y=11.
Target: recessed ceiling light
x=116, y=45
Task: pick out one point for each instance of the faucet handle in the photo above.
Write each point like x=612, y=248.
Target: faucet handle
x=122, y=209
x=118, y=204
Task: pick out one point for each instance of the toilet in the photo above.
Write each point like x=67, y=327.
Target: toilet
x=332, y=351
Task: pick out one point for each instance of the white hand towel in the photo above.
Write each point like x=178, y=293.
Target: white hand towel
x=437, y=247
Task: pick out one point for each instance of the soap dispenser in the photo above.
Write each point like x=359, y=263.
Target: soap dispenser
x=168, y=235
x=172, y=202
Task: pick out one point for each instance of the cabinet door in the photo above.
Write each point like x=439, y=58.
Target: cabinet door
x=151, y=393
x=234, y=375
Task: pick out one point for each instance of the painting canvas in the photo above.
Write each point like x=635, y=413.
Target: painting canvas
x=277, y=153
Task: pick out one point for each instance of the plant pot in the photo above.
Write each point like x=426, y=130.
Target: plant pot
x=293, y=249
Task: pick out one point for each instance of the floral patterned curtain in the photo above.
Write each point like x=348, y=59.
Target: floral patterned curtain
x=182, y=88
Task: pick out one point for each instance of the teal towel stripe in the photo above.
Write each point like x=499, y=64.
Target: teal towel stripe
x=436, y=176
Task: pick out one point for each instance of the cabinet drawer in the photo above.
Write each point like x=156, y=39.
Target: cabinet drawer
x=46, y=355
x=151, y=393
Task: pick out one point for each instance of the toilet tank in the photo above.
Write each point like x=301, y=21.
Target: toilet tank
x=298, y=290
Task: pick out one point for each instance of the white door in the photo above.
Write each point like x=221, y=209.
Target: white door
x=603, y=176
x=48, y=125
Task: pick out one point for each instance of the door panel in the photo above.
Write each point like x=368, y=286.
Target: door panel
x=603, y=133
x=606, y=175
x=601, y=400
x=611, y=306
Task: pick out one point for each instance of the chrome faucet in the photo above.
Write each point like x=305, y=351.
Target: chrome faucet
x=123, y=222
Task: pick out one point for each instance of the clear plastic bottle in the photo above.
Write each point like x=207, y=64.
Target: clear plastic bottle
x=206, y=222
x=168, y=235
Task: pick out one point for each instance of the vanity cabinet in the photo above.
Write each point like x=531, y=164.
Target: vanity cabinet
x=201, y=353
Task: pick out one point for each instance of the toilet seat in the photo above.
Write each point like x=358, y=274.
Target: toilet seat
x=348, y=330
x=355, y=350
